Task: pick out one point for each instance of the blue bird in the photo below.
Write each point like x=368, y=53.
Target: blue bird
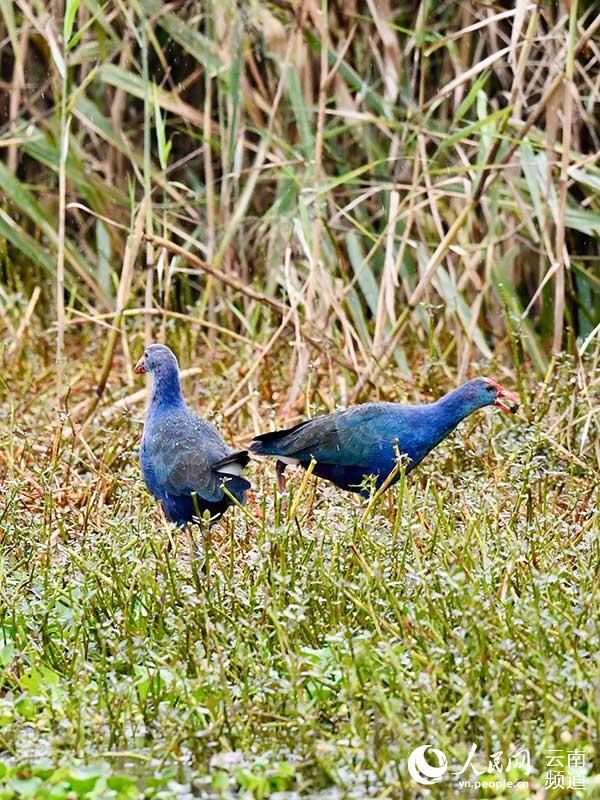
x=366, y=441
x=185, y=461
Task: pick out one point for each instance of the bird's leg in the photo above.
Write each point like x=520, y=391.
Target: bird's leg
x=280, y=469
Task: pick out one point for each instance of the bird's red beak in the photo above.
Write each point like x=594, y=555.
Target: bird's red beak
x=140, y=367
x=506, y=400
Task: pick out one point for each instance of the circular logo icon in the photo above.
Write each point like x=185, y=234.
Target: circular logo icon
x=421, y=770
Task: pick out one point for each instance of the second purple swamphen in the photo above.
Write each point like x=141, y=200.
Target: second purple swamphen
x=365, y=441
x=185, y=461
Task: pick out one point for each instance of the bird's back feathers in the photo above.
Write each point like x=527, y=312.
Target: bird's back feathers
x=366, y=440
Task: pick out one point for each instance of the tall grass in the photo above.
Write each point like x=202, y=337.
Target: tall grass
x=388, y=177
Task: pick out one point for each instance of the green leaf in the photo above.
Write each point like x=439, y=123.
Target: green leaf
x=104, y=250
x=134, y=85
x=585, y=178
x=197, y=45
x=364, y=274
x=464, y=133
x=300, y=112
x=471, y=96
x=70, y=12
x=456, y=301
x=7, y=652
x=164, y=147
x=510, y=299
x=580, y=219
x=57, y=56
x=7, y=7
x=29, y=246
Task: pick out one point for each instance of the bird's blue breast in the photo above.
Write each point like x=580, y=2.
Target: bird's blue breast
x=149, y=472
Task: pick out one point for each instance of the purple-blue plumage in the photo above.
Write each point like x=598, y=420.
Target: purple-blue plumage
x=185, y=461
x=349, y=446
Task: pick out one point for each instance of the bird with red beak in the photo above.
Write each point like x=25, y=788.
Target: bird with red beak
x=367, y=441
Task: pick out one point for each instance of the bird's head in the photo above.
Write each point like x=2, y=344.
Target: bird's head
x=157, y=359
x=486, y=392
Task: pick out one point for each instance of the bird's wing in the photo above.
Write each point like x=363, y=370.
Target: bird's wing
x=185, y=453
x=344, y=438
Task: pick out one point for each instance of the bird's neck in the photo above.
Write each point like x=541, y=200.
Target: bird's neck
x=166, y=390
x=454, y=407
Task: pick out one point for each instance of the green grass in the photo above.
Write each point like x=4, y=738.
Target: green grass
x=317, y=651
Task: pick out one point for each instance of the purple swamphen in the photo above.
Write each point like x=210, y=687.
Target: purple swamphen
x=185, y=461
x=366, y=441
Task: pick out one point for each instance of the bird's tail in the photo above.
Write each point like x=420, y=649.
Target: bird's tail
x=231, y=468
x=276, y=443
x=233, y=464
